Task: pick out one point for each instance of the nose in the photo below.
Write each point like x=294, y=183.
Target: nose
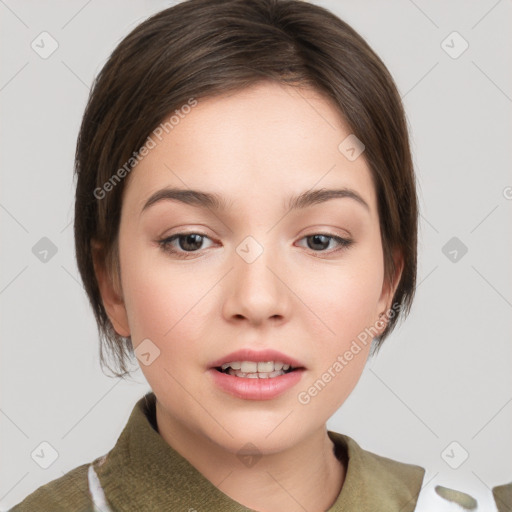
x=256, y=288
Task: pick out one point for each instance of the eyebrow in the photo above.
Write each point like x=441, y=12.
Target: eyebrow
x=218, y=203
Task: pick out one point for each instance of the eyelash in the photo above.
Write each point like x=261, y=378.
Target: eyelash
x=165, y=244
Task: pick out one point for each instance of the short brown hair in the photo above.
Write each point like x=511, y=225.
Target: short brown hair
x=203, y=48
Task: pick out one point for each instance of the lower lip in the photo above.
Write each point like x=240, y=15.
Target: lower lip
x=256, y=389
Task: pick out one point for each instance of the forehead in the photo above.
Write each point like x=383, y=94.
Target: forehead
x=261, y=142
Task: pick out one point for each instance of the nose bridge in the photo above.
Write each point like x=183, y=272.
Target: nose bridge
x=255, y=255
x=257, y=292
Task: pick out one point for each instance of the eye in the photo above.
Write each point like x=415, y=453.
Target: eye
x=184, y=245
x=318, y=242
x=187, y=243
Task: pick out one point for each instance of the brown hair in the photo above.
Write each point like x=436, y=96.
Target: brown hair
x=202, y=48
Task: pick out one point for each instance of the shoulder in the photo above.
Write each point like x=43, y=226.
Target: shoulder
x=68, y=492
x=371, y=465
x=374, y=482
x=390, y=468
x=385, y=484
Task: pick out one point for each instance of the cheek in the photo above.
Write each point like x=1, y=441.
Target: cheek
x=343, y=346
x=163, y=302
x=345, y=297
x=358, y=294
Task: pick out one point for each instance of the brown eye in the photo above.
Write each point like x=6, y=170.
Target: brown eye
x=182, y=243
x=319, y=242
x=190, y=242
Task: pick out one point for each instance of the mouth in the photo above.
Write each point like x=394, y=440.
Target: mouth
x=256, y=375
x=256, y=369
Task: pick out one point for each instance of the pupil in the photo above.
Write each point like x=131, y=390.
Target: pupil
x=323, y=240
x=193, y=239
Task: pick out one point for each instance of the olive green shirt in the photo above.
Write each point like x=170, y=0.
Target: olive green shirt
x=144, y=473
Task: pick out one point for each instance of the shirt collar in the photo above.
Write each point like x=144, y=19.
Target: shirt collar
x=143, y=472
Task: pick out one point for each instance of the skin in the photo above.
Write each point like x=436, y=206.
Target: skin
x=256, y=147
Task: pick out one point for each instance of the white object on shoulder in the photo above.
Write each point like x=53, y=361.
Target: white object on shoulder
x=436, y=497
x=98, y=496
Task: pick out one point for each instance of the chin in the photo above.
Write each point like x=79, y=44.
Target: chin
x=268, y=434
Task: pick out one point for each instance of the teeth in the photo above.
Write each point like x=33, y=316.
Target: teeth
x=266, y=367
x=236, y=365
x=257, y=375
x=249, y=366
x=254, y=370
x=254, y=367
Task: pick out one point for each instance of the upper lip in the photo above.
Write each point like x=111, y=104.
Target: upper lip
x=259, y=356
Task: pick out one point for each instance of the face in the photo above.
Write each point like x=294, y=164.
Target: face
x=254, y=273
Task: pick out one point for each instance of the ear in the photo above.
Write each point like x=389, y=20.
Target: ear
x=110, y=291
x=388, y=292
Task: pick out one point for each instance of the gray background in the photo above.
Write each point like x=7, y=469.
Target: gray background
x=443, y=376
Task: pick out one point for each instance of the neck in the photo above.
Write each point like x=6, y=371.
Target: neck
x=307, y=476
